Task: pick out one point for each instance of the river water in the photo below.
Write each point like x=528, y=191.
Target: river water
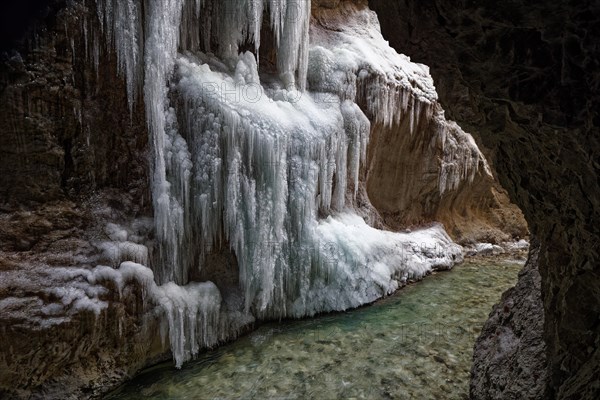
x=416, y=344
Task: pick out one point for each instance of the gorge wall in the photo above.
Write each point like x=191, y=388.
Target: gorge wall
x=521, y=76
x=104, y=169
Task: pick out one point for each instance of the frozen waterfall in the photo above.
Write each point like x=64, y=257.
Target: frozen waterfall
x=265, y=164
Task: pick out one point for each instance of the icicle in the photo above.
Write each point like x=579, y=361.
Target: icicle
x=290, y=22
x=122, y=21
x=162, y=40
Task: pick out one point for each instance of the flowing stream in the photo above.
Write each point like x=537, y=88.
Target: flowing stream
x=416, y=344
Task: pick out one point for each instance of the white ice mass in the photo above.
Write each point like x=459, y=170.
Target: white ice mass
x=265, y=164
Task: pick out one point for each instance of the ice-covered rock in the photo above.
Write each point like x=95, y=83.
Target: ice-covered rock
x=522, y=244
x=485, y=249
x=257, y=164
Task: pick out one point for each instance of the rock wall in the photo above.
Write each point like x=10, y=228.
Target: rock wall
x=513, y=335
x=521, y=76
x=72, y=158
x=404, y=183
x=67, y=134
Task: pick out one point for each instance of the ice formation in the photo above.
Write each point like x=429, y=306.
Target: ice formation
x=191, y=315
x=266, y=165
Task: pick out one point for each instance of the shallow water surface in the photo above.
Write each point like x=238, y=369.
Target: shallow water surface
x=416, y=344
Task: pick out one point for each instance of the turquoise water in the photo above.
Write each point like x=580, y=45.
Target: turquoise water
x=416, y=344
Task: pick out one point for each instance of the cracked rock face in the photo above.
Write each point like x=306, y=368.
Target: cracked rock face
x=523, y=77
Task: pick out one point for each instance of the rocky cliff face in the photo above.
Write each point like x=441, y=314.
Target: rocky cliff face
x=521, y=76
x=72, y=159
x=513, y=335
x=75, y=161
x=66, y=136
